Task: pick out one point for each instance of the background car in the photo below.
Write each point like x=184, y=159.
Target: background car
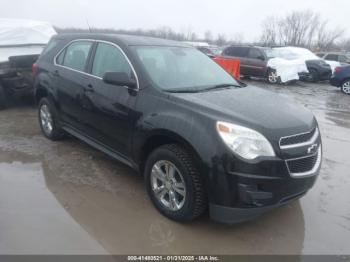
x=253, y=60
x=21, y=42
x=263, y=62
x=211, y=51
x=318, y=68
x=335, y=56
x=341, y=78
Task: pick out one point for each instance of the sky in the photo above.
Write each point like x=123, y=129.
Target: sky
x=235, y=19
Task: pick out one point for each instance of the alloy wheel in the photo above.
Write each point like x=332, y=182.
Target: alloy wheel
x=273, y=77
x=346, y=87
x=46, y=119
x=168, y=185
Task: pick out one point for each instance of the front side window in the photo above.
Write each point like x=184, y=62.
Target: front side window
x=255, y=54
x=75, y=55
x=109, y=58
x=181, y=68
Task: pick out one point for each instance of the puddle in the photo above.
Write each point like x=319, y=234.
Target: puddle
x=32, y=221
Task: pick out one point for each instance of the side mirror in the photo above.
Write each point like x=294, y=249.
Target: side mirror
x=119, y=79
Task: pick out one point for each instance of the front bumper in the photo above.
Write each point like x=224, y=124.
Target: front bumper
x=230, y=215
x=242, y=191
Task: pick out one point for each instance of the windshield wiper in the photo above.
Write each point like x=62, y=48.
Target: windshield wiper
x=219, y=87
x=181, y=91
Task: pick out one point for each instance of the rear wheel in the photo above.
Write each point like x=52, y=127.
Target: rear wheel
x=3, y=98
x=48, y=120
x=345, y=87
x=174, y=183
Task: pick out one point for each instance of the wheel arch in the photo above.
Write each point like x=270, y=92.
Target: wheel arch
x=40, y=92
x=344, y=80
x=162, y=137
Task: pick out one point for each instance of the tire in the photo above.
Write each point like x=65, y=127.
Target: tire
x=345, y=87
x=192, y=202
x=48, y=120
x=272, y=77
x=313, y=76
x=3, y=98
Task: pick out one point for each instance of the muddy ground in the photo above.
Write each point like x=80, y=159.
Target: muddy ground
x=67, y=198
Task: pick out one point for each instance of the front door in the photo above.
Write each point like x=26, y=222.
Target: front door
x=107, y=108
x=256, y=63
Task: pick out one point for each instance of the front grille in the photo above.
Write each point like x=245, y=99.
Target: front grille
x=297, y=139
x=306, y=165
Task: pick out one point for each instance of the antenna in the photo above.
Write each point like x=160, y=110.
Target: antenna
x=87, y=22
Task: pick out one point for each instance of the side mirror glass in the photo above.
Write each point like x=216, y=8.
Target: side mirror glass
x=119, y=79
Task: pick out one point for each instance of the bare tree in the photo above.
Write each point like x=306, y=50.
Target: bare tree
x=299, y=28
x=326, y=38
x=208, y=36
x=270, y=31
x=221, y=40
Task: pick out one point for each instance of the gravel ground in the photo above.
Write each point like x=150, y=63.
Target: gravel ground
x=67, y=198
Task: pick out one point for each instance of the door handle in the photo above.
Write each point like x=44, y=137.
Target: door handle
x=89, y=88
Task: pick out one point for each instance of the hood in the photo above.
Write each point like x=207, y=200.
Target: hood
x=271, y=114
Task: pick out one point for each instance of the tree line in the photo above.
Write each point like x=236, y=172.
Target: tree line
x=297, y=28
x=304, y=29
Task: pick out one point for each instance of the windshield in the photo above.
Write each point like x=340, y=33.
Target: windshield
x=182, y=68
x=270, y=53
x=291, y=53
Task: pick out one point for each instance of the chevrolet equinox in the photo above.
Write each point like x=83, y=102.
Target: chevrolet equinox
x=201, y=139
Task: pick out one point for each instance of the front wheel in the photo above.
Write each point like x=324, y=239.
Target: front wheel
x=272, y=77
x=345, y=87
x=174, y=183
x=48, y=120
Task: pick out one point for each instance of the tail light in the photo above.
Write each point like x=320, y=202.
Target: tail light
x=338, y=70
x=35, y=69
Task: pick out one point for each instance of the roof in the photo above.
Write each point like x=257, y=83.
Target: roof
x=19, y=32
x=125, y=39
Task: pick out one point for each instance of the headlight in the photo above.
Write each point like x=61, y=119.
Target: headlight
x=243, y=141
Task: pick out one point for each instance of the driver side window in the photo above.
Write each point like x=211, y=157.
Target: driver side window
x=109, y=58
x=255, y=54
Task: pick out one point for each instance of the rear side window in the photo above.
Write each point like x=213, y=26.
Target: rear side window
x=332, y=57
x=75, y=55
x=108, y=58
x=236, y=51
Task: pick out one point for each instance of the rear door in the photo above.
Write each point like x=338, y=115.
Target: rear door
x=240, y=53
x=256, y=62
x=107, y=108
x=70, y=79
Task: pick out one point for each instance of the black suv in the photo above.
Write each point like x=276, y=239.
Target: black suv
x=167, y=110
